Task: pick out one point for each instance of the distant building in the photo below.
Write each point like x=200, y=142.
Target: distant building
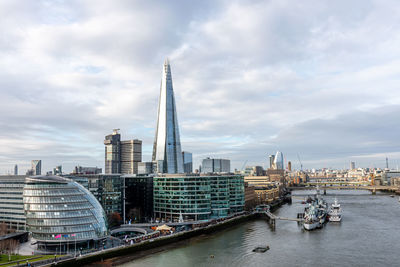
x=278, y=161
x=57, y=170
x=16, y=169
x=215, y=165
x=131, y=155
x=167, y=150
x=37, y=167
x=86, y=170
x=271, y=161
x=352, y=165
x=187, y=162
x=253, y=171
x=146, y=167
x=112, y=144
x=121, y=157
x=250, y=197
x=289, y=166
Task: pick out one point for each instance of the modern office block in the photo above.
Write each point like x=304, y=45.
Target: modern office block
x=108, y=189
x=215, y=165
x=37, y=167
x=16, y=169
x=113, y=152
x=187, y=162
x=57, y=170
x=278, y=161
x=60, y=211
x=139, y=198
x=167, y=144
x=146, y=167
x=11, y=201
x=122, y=157
x=197, y=197
x=131, y=155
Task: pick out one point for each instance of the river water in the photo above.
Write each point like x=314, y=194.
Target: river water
x=369, y=235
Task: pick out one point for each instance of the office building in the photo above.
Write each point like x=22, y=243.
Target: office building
x=122, y=157
x=289, y=166
x=146, y=167
x=86, y=170
x=167, y=150
x=108, y=189
x=253, y=171
x=112, y=144
x=187, y=162
x=37, y=167
x=278, y=161
x=57, y=170
x=197, y=197
x=16, y=169
x=139, y=198
x=60, y=212
x=215, y=165
x=271, y=161
x=11, y=202
x=131, y=155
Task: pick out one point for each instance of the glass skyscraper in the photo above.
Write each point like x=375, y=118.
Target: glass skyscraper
x=167, y=150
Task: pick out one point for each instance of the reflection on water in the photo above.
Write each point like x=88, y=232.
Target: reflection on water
x=368, y=235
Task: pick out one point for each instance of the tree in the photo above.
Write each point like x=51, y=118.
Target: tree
x=114, y=219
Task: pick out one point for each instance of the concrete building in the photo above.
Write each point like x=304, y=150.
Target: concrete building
x=37, y=167
x=131, y=155
x=253, y=171
x=187, y=162
x=122, y=157
x=113, y=152
x=197, y=197
x=250, y=197
x=215, y=165
x=16, y=169
x=167, y=150
x=146, y=168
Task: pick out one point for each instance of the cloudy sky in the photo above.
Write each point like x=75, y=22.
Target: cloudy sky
x=318, y=79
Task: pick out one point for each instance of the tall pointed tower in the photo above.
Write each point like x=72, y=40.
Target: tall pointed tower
x=167, y=150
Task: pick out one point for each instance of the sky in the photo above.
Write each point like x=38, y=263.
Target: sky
x=317, y=80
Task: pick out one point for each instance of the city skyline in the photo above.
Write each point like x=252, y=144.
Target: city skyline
x=318, y=80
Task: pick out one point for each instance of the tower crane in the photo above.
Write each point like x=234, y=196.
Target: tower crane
x=301, y=165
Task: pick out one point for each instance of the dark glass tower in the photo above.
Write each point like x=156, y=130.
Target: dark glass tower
x=167, y=150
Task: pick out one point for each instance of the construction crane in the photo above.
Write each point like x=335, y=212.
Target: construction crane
x=301, y=165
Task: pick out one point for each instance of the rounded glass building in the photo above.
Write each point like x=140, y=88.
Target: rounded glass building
x=61, y=213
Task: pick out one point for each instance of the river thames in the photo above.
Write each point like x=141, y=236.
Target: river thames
x=369, y=235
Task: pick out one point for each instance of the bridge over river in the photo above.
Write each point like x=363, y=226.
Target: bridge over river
x=332, y=185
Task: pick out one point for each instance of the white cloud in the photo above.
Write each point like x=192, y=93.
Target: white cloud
x=250, y=77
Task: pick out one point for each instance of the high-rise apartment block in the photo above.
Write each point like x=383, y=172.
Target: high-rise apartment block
x=37, y=167
x=122, y=156
x=187, y=162
x=167, y=150
x=215, y=165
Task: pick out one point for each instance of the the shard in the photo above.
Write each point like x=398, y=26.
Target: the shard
x=167, y=152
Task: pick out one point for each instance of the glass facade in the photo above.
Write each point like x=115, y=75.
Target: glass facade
x=167, y=144
x=197, y=197
x=59, y=210
x=11, y=204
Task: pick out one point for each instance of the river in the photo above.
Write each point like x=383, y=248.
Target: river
x=369, y=235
